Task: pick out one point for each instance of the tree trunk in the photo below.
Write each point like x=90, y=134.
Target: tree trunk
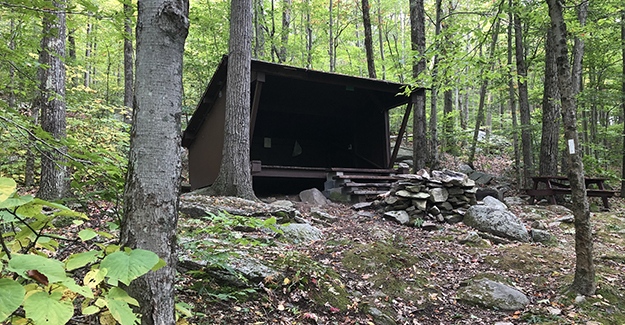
x=128, y=63
x=479, y=120
x=381, y=41
x=86, y=74
x=434, y=157
x=623, y=100
x=417, y=38
x=584, y=281
x=284, y=33
x=548, y=164
x=52, y=103
x=259, y=29
x=512, y=99
x=309, y=37
x=331, y=39
x=154, y=163
x=11, y=86
x=235, y=178
x=366, y=21
x=524, y=107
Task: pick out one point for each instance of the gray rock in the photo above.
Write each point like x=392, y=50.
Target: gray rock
x=481, y=178
x=197, y=206
x=438, y=195
x=322, y=215
x=540, y=236
x=473, y=239
x=497, y=222
x=491, y=294
x=313, y=196
x=283, y=203
x=537, y=224
x=401, y=217
x=429, y=226
x=362, y=205
x=240, y=262
x=379, y=317
x=466, y=169
x=487, y=191
x=492, y=202
x=411, y=195
x=446, y=206
x=453, y=219
x=301, y=233
x=390, y=200
x=468, y=182
x=414, y=188
x=423, y=174
x=494, y=239
x=566, y=219
x=514, y=200
x=434, y=210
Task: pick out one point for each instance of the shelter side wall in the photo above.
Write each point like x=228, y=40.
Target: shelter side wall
x=206, y=151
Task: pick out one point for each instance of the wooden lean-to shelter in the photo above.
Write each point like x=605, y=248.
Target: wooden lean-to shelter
x=305, y=125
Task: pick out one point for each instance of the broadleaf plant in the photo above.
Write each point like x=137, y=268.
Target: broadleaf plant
x=38, y=288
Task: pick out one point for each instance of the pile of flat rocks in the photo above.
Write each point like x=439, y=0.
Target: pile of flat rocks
x=443, y=196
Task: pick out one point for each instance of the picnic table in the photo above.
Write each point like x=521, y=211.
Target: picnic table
x=556, y=185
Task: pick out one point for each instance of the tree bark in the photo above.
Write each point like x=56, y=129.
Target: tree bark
x=434, y=157
x=259, y=29
x=309, y=37
x=52, y=103
x=154, y=163
x=623, y=99
x=87, y=73
x=366, y=21
x=512, y=98
x=331, y=39
x=128, y=62
x=479, y=120
x=380, y=39
x=524, y=107
x=548, y=160
x=284, y=33
x=417, y=38
x=584, y=281
x=235, y=178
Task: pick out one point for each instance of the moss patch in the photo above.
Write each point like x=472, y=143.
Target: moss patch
x=529, y=259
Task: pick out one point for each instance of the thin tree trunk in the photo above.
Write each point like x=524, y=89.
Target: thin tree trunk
x=87, y=73
x=284, y=33
x=309, y=37
x=128, y=62
x=548, y=163
x=417, y=38
x=479, y=120
x=11, y=86
x=526, y=135
x=623, y=100
x=366, y=21
x=331, y=39
x=512, y=99
x=234, y=178
x=259, y=29
x=584, y=281
x=52, y=103
x=381, y=41
x=153, y=179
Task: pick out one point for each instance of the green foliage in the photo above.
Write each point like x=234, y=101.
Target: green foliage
x=44, y=290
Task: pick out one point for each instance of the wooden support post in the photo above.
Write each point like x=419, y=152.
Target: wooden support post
x=260, y=80
x=402, y=129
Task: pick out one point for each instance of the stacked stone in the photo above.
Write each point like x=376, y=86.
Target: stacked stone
x=443, y=196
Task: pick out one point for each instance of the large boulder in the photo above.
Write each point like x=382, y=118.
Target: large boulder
x=498, y=222
x=313, y=196
x=195, y=205
x=491, y=294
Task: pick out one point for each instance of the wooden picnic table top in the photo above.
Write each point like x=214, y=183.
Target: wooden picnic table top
x=543, y=177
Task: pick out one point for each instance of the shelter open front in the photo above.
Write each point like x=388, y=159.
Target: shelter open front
x=305, y=124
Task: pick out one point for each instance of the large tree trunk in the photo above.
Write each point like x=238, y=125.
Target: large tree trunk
x=434, y=157
x=154, y=163
x=417, y=38
x=366, y=21
x=548, y=164
x=235, y=178
x=524, y=106
x=52, y=104
x=128, y=62
x=584, y=282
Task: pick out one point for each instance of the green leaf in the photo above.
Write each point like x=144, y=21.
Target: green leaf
x=158, y=265
x=125, y=267
x=45, y=309
x=90, y=310
x=16, y=201
x=87, y=234
x=11, y=297
x=94, y=277
x=117, y=301
x=52, y=269
x=7, y=187
x=75, y=261
x=82, y=290
x=5, y=217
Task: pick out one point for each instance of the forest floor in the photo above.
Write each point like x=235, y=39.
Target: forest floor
x=367, y=270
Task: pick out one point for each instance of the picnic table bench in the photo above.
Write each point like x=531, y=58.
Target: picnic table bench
x=556, y=185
